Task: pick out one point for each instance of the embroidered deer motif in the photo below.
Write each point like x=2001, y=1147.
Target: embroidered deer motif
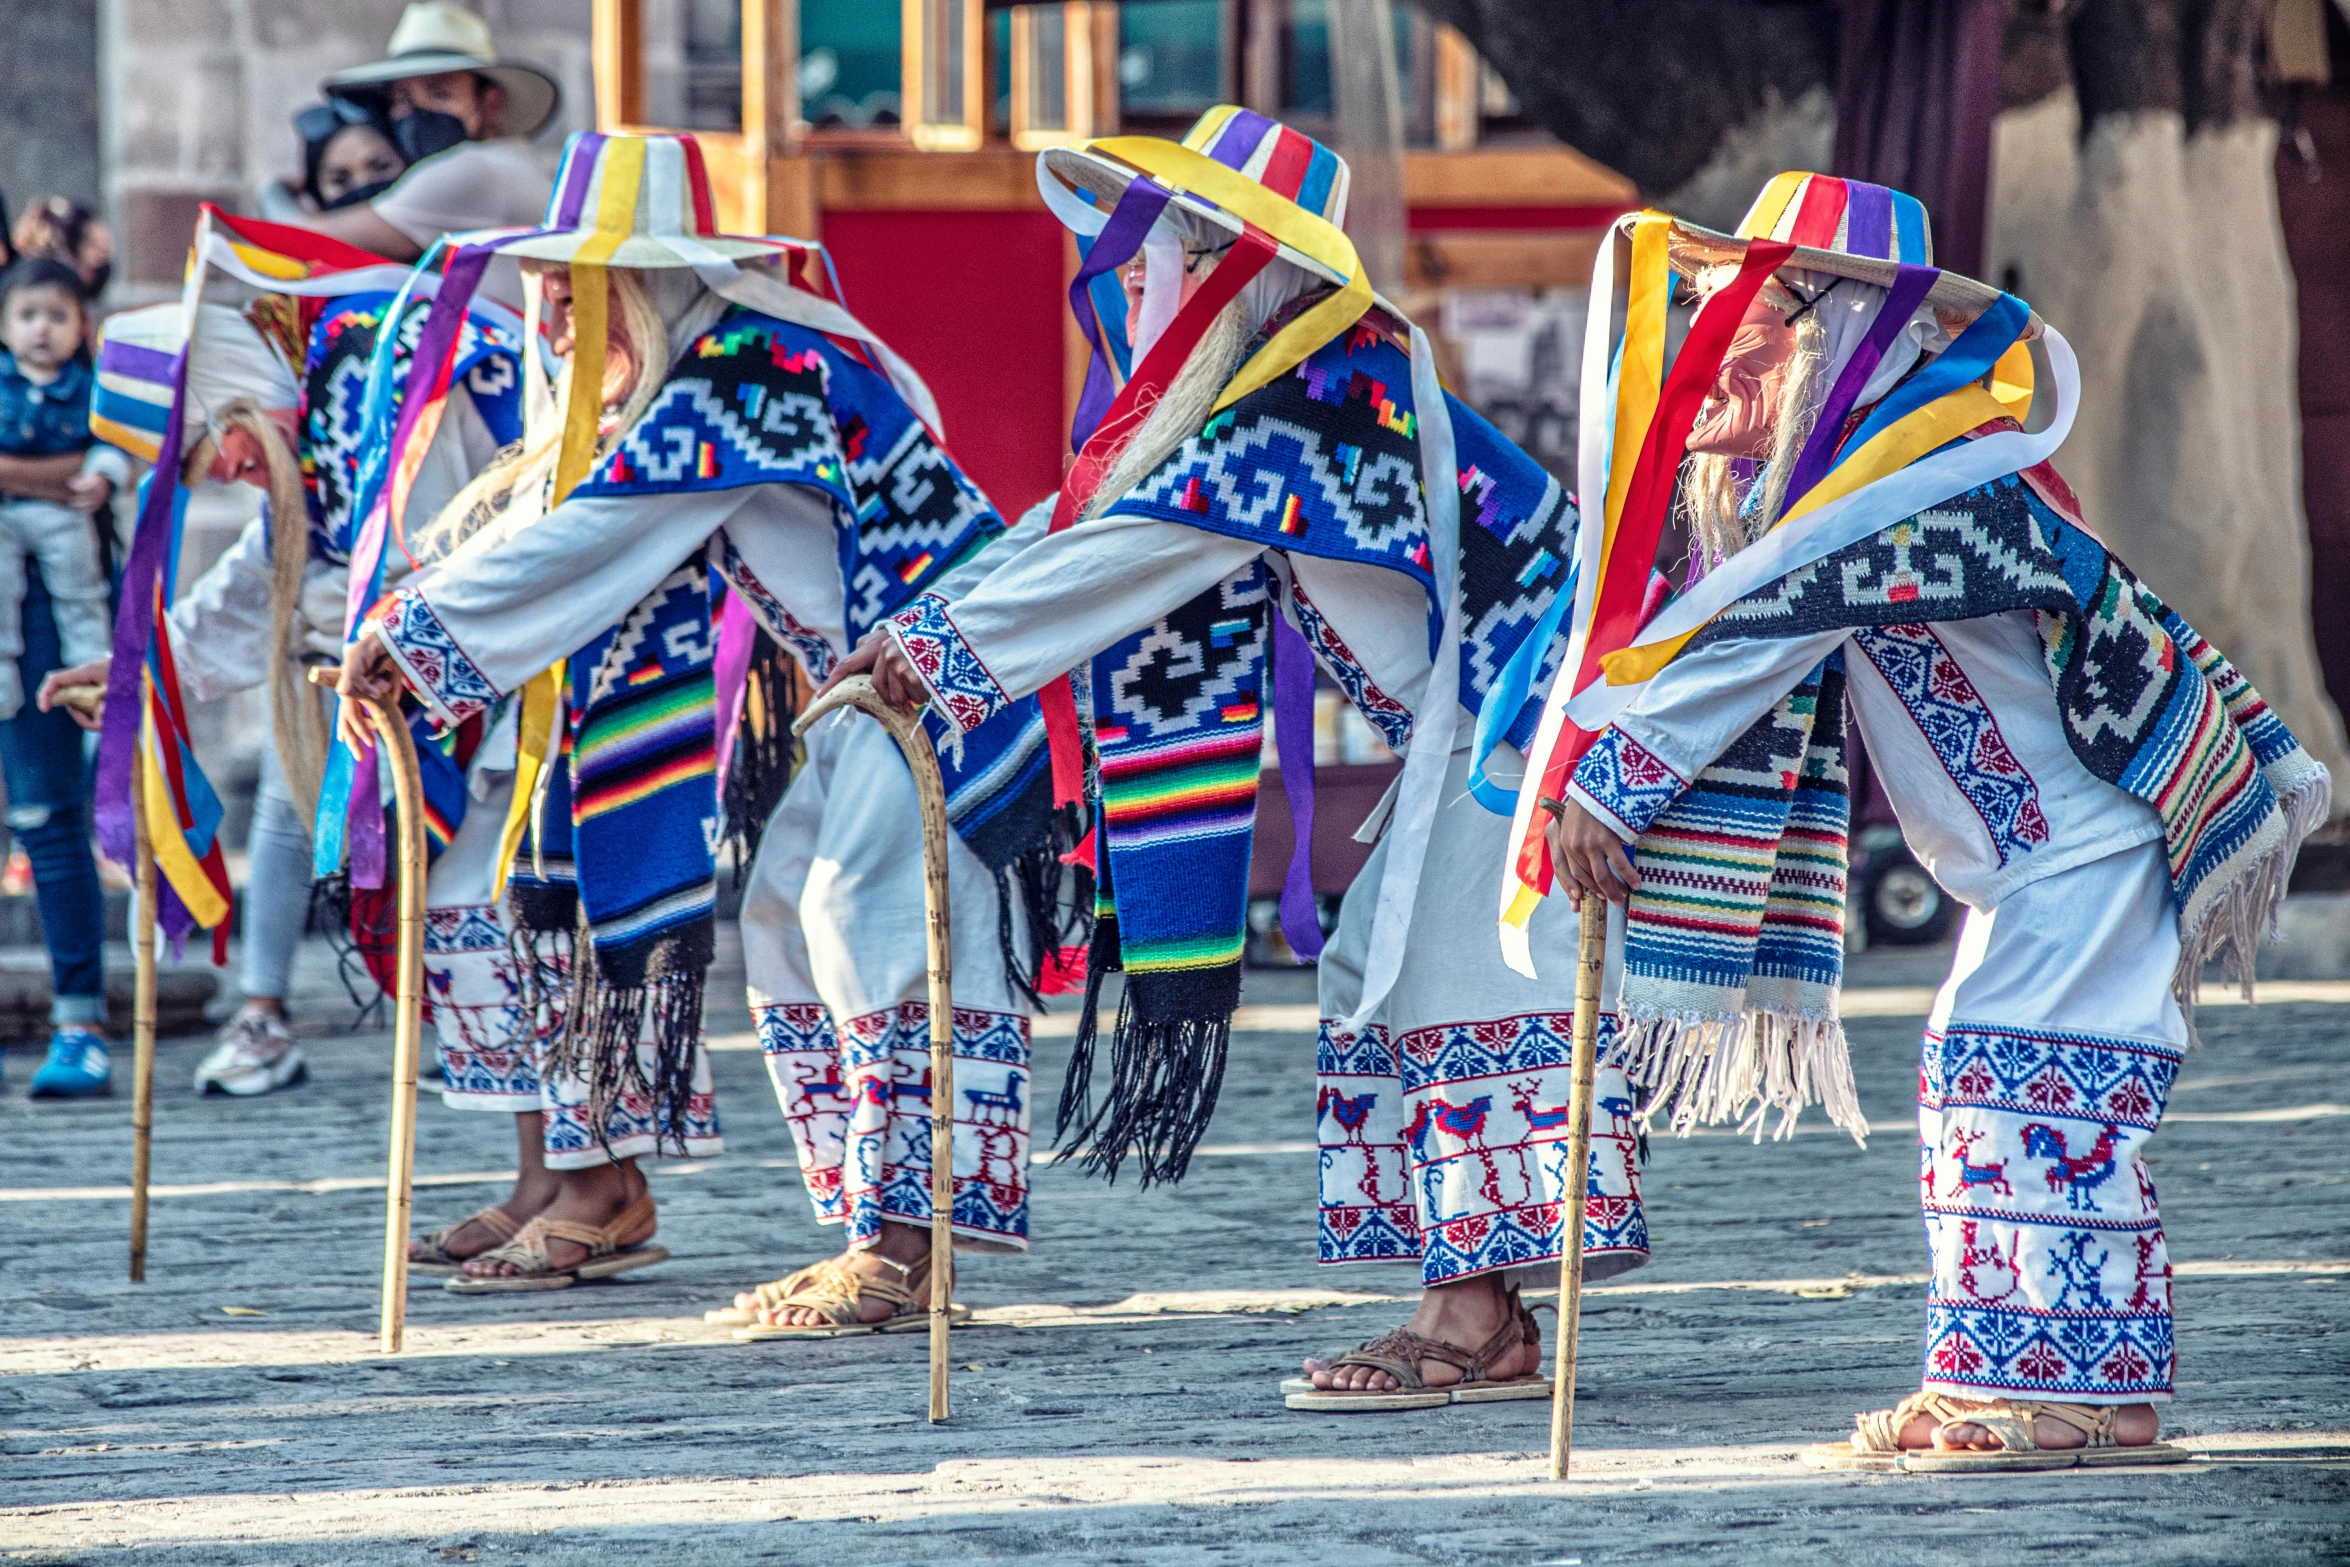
x=1351, y=1113
x=2078, y=1178
x=826, y=1086
x=988, y=1105
x=2071, y=1262
x=1540, y=1118
x=1991, y=1176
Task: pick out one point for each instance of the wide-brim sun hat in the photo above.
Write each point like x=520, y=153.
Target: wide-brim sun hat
x=437, y=37
x=1842, y=228
x=137, y=349
x=630, y=201
x=1285, y=162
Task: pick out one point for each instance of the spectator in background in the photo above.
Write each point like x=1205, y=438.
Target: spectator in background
x=62, y=229
x=348, y=152
x=53, y=477
x=459, y=116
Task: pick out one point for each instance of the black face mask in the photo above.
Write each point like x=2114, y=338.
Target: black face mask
x=357, y=194
x=422, y=132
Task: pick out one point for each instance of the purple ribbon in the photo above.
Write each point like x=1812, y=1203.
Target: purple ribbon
x=1130, y=223
x=1819, y=452
x=1293, y=734
x=134, y=634
x=730, y=671
x=366, y=836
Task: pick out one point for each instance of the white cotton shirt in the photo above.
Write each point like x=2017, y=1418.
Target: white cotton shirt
x=1071, y=594
x=1705, y=698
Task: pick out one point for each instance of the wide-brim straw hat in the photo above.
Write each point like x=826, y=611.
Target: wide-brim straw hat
x=436, y=37
x=629, y=201
x=1840, y=227
x=1286, y=162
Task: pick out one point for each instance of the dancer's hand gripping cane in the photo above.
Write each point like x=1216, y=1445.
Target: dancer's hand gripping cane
x=379, y=701
x=905, y=726
x=1594, y=870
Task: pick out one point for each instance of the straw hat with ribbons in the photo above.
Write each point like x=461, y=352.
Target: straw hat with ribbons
x=438, y=37
x=2000, y=374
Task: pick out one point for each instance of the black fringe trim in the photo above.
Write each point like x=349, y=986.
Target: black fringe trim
x=764, y=751
x=1167, y=1056
x=616, y=1000
x=1030, y=893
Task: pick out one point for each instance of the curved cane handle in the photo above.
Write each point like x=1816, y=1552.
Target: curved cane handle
x=859, y=692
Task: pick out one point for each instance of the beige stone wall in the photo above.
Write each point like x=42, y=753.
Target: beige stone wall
x=2160, y=257
x=198, y=97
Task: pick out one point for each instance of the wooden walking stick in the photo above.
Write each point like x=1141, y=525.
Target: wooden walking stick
x=91, y=700
x=1591, y=960
x=408, y=1015
x=142, y=1022
x=930, y=790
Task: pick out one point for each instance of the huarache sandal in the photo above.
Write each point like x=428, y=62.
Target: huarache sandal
x=2010, y=1420
x=436, y=1257
x=1875, y=1442
x=1399, y=1354
x=612, y=1249
x=836, y=1292
x=763, y=1296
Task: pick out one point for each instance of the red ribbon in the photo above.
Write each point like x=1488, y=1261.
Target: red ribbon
x=1127, y=413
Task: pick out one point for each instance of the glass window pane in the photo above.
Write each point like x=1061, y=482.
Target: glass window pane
x=1171, y=59
x=713, y=66
x=1306, y=92
x=850, y=73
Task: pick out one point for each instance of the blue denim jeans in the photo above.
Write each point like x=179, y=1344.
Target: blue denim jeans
x=44, y=762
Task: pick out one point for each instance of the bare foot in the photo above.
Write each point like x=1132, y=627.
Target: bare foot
x=1466, y=1314
x=897, y=1257
x=592, y=1197
x=2134, y=1426
x=533, y=1191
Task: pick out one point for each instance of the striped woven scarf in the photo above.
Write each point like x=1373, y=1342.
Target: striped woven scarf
x=1734, y=942
x=1177, y=726
x=639, y=838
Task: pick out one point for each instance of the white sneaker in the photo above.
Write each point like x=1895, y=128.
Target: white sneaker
x=256, y=1056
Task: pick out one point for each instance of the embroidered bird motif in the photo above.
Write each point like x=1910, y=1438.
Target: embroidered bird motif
x=1351, y=1112
x=2078, y=1178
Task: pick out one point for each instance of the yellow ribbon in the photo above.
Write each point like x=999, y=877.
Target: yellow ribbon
x=535, y=741
x=173, y=859
x=1770, y=206
x=624, y=167
x=1182, y=169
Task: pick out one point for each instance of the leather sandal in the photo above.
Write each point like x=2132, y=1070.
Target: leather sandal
x=612, y=1249
x=762, y=1296
x=836, y=1291
x=2011, y=1420
x=1875, y=1442
x=1399, y=1354
x=436, y=1257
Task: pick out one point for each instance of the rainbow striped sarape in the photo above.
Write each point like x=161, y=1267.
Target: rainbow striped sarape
x=1733, y=952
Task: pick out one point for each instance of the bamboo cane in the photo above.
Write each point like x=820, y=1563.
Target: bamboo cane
x=408, y=1016
x=142, y=1022
x=930, y=791
x=1591, y=959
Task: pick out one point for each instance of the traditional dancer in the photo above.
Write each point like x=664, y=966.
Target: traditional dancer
x=2108, y=796
x=790, y=452
x=1282, y=439
x=277, y=599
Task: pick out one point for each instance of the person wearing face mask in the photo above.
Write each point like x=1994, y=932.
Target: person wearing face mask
x=1283, y=473
x=459, y=119
x=349, y=155
x=1860, y=442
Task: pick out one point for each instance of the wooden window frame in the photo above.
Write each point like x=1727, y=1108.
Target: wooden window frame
x=1089, y=62
x=929, y=134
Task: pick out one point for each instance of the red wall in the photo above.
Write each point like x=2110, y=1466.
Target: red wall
x=975, y=301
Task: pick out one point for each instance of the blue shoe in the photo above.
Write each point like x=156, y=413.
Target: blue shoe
x=78, y=1066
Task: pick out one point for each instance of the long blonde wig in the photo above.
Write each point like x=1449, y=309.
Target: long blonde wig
x=297, y=711
x=632, y=378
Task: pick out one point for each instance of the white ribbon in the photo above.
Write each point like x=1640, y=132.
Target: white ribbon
x=1420, y=788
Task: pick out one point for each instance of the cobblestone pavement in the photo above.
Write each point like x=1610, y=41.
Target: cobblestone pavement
x=1118, y=1404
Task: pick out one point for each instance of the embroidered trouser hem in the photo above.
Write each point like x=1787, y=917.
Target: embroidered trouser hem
x=2047, y=1063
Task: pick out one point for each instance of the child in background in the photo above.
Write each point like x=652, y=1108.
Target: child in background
x=53, y=478
x=45, y=412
